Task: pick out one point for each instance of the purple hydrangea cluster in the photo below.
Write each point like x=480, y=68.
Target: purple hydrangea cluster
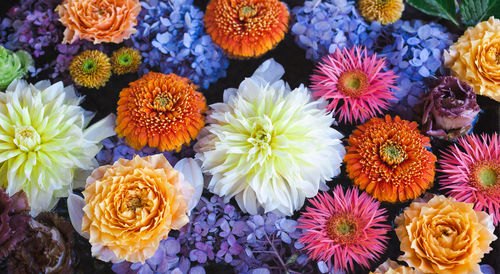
x=115, y=148
x=323, y=26
x=219, y=233
x=414, y=51
x=171, y=38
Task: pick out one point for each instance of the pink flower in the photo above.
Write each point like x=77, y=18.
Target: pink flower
x=471, y=172
x=355, y=83
x=348, y=228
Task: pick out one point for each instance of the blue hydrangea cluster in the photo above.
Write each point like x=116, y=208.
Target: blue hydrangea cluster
x=171, y=38
x=414, y=51
x=219, y=233
x=323, y=26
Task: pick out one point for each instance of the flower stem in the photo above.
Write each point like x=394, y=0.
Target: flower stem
x=277, y=254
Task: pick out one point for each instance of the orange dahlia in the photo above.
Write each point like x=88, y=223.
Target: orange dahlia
x=388, y=159
x=246, y=28
x=161, y=111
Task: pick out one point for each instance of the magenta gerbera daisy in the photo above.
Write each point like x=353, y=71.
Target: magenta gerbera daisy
x=471, y=172
x=356, y=84
x=345, y=228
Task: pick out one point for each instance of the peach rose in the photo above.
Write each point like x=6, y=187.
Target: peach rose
x=475, y=58
x=444, y=236
x=131, y=206
x=98, y=20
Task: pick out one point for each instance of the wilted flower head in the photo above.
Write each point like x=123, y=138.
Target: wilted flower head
x=247, y=28
x=449, y=109
x=344, y=228
x=383, y=11
x=98, y=20
x=13, y=65
x=269, y=146
x=44, y=126
x=46, y=248
x=91, y=69
x=14, y=218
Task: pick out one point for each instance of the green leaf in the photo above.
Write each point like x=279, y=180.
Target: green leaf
x=446, y=9
x=475, y=11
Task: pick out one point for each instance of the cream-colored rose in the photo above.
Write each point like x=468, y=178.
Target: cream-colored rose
x=99, y=20
x=444, y=236
x=475, y=58
x=132, y=205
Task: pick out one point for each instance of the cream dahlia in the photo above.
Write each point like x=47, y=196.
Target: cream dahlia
x=45, y=142
x=269, y=146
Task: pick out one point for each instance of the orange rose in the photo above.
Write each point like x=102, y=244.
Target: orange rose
x=98, y=20
x=131, y=206
x=444, y=236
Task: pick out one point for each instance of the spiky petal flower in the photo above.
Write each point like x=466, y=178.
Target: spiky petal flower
x=355, y=82
x=125, y=60
x=45, y=142
x=345, y=228
x=247, y=28
x=388, y=158
x=471, y=172
x=91, y=69
x=159, y=110
x=269, y=146
x=383, y=11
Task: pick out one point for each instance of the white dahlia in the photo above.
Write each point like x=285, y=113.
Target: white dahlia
x=44, y=142
x=269, y=146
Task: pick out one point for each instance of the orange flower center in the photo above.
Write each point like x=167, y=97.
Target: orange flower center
x=486, y=177
x=246, y=11
x=352, y=83
x=341, y=228
x=163, y=101
x=392, y=153
x=134, y=203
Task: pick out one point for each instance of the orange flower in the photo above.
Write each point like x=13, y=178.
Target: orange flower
x=388, y=159
x=131, y=206
x=162, y=111
x=444, y=236
x=392, y=267
x=98, y=20
x=246, y=28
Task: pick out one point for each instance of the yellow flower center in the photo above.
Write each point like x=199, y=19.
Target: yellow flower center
x=261, y=138
x=26, y=138
x=341, y=228
x=134, y=203
x=352, y=83
x=246, y=11
x=163, y=102
x=392, y=153
x=486, y=175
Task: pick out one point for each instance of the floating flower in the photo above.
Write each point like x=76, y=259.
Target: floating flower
x=172, y=39
x=355, y=82
x=345, y=228
x=132, y=205
x=47, y=247
x=323, y=26
x=14, y=218
x=383, y=11
x=388, y=159
x=444, y=236
x=98, y=20
x=247, y=28
x=161, y=111
x=392, y=267
x=449, y=109
x=269, y=146
x=44, y=126
x=471, y=172
x=91, y=69
x=475, y=58
x=13, y=65
x=413, y=50
x=125, y=60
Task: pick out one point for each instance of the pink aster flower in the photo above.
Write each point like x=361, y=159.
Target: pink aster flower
x=355, y=83
x=346, y=228
x=471, y=172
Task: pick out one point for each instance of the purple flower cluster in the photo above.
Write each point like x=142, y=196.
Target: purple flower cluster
x=323, y=26
x=414, y=51
x=171, y=38
x=220, y=233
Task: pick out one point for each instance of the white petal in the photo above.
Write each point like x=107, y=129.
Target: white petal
x=102, y=129
x=75, y=211
x=192, y=174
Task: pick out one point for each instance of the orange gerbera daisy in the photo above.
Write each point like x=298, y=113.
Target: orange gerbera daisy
x=159, y=110
x=246, y=28
x=388, y=159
